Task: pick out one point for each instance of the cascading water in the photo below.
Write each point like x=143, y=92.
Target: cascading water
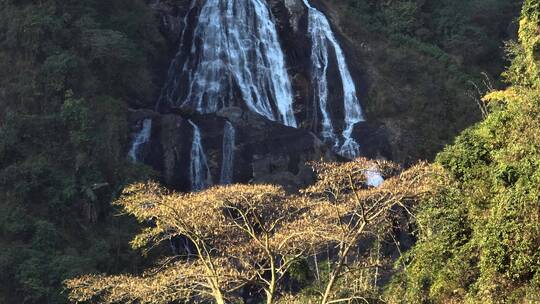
x=230, y=55
x=199, y=171
x=373, y=177
x=322, y=38
x=227, y=163
x=140, y=140
x=172, y=85
x=235, y=48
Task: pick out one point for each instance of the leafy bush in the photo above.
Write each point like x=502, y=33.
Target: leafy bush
x=64, y=69
x=478, y=240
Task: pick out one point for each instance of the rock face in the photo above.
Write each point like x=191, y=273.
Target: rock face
x=264, y=151
x=213, y=87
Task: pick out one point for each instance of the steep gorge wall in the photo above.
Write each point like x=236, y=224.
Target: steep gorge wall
x=266, y=151
x=422, y=61
x=415, y=94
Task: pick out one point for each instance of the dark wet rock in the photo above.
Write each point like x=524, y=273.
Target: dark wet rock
x=136, y=115
x=171, y=16
x=373, y=139
x=265, y=151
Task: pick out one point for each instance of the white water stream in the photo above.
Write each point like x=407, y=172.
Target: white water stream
x=227, y=163
x=140, y=140
x=323, y=39
x=236, y=49
x=198, y=168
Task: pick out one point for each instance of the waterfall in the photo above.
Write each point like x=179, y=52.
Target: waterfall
x=235, y=49
x=140, y=140
x=199, y=171
x=373, y=177
x=229, y=54
x=170, y=89
x=227, y=162
x=322, y=39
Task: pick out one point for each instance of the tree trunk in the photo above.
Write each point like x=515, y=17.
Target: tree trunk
x=334, y=275
x=337, y=270
x=219, y=297
x=272, y=286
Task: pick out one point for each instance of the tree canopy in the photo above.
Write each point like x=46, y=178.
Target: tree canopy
x=479, y=239
x=249, y=236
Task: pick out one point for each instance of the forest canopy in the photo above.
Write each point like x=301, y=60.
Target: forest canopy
x=80, y=222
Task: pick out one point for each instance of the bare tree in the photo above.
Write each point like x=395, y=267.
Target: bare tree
x=257, y=217
x=478, y=91
x=231, y=229
x=344, y=210
x=250, y=235
x=186, y=281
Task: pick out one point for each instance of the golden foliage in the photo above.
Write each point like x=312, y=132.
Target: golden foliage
x=251, y=234
x=173, y=282
x=340, y=201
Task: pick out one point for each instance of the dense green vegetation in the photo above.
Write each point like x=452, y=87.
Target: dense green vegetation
x=422, y=57
x=479, y=239
x=68, y=69
x=465, y=32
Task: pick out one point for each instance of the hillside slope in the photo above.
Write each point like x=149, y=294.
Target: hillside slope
x=422, y=60
x=69, y=71
x=479, y=239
